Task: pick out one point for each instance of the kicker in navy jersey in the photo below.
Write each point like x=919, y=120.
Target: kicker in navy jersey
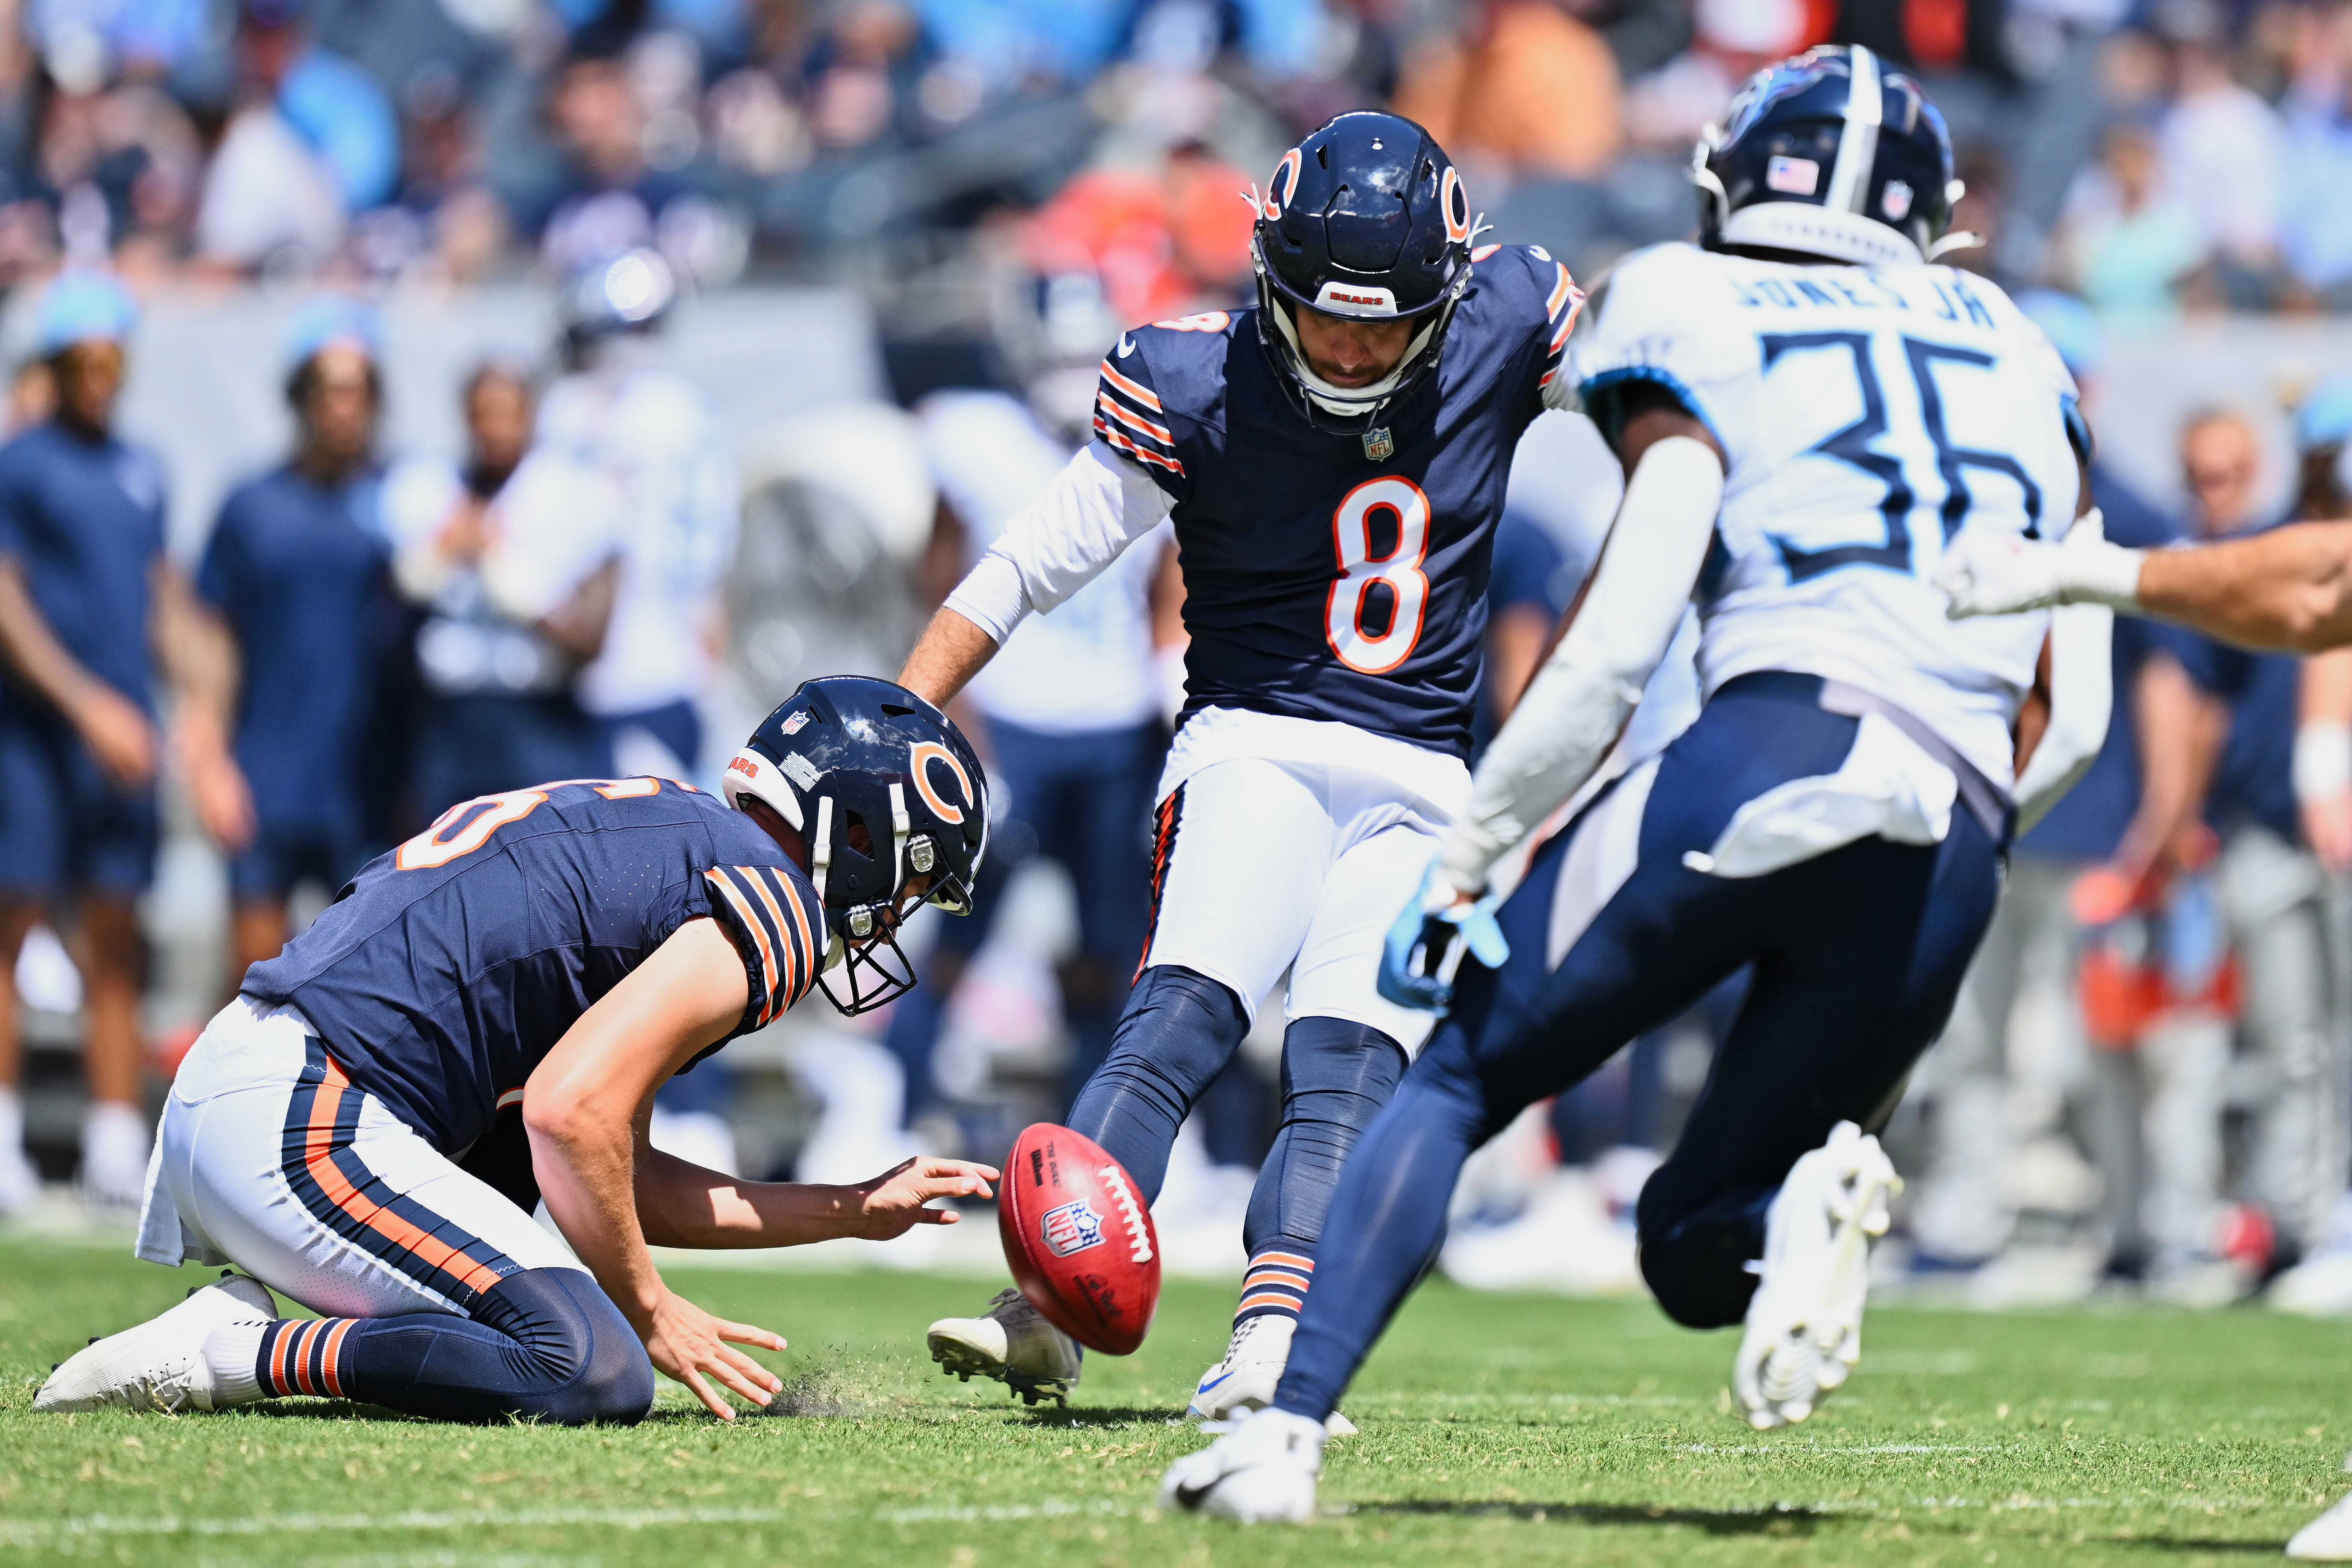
x=1333, y=461
x=1321, y=582
x=561, y=951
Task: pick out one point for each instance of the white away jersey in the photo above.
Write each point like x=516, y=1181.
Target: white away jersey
x=1865, y=415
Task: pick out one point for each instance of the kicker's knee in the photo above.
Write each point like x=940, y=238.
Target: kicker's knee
x=587, y=1363
x=1340, y=1056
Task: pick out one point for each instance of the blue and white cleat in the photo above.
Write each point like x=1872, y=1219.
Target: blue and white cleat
x=1262, y=1471
x=1245, y=1380
x=1804, y=1322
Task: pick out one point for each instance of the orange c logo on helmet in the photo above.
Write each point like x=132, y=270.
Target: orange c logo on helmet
x=1456, y=202
x=1279, y=189
x=922, y=754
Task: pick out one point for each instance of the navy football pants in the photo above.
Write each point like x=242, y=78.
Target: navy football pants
x=1857, y=955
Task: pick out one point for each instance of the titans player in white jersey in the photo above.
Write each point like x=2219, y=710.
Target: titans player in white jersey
x=1807, y=409
x=1333, y=463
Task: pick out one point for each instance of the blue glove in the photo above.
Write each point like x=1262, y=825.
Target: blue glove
x=1428, y=941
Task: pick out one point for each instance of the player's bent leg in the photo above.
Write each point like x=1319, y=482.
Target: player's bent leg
x=542, y=1344
x=1764, y=1208
x=1336, y=1076
x=440, y=1296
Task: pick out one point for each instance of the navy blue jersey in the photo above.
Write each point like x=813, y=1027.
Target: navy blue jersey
x=302, y=574
x=1321, y=584
x=85, y=521
x=449, y=967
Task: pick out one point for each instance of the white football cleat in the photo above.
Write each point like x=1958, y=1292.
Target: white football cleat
x=1245, y=1380
x=2327, y=1539
x=162, y=1365
x=1012, y=1343
x=1263, y=1472
x=1804, y=1322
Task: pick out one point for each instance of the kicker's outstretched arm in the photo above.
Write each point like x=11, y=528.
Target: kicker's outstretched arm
x=1095, y=509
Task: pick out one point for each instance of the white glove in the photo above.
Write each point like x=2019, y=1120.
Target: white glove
x=1988, y=574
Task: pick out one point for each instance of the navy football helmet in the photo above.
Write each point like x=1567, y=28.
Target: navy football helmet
x=892, y=806
x=1830, y=154
x=1366, y=218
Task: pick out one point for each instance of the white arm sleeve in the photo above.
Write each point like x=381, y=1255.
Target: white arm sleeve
x=1095, y=509
x=2082, y=693
x=1572, y=712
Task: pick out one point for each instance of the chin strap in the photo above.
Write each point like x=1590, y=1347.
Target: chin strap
x=821, y=848
x=1958, y=239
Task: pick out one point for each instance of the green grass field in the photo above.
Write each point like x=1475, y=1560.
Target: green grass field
x=1501, y=1429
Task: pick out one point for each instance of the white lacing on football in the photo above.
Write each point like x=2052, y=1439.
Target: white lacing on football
x=1139, y=1235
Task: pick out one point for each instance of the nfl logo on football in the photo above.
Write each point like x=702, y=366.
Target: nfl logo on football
x=1073, y=1228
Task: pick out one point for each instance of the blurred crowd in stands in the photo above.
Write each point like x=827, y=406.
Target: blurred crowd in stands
x=2147, y=1083
x=2154, y=156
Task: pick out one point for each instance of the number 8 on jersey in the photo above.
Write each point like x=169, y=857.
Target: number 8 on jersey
x=1352, y=535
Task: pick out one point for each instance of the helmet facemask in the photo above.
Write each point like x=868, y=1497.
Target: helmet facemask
x=865, y=951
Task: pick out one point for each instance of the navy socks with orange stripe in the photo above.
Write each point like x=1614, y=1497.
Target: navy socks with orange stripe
x=1179, y=1030
x=545, y=1343
x=1336, y=1076
x=1279, y=1273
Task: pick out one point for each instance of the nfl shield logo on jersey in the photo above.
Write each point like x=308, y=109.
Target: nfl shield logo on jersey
x=1378, y=445
x=1073, y=1228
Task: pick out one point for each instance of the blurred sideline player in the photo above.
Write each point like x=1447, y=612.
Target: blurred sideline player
x=1334, y=461
x=89, y=606
x=652, y=432
x=1072, y=710
x=513, y=558
x=562, y=949
x=1804, y=410
x=298, y=576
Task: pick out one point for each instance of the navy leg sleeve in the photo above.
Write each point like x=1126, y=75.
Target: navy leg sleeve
x=1336, y=1076
x=1179, y=1031
x=1831, y=1025
x=544, y=1343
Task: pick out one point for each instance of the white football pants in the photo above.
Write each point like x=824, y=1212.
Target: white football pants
x=1260, y=867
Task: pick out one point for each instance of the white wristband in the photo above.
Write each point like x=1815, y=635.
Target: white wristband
x=2103, y=573
x=2322, y=760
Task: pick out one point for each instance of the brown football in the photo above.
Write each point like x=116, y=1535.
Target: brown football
x=1079, y=1238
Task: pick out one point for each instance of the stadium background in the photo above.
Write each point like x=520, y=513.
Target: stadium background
x=867, y=201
